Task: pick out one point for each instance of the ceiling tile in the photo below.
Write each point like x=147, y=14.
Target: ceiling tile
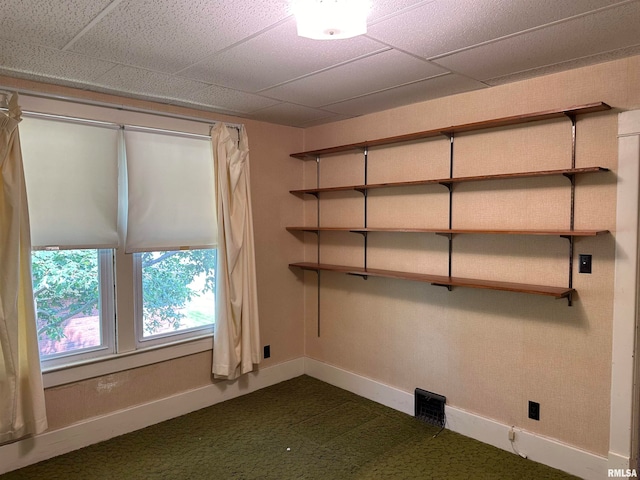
x=568, y=65
x=145, y=82
x=581, y=37
x=381, y=9
x=321, y=121
x=276, y=56
x=49, y=63
x=295, y=115
x=241, y=102
x=40, y=78
x=366, y=75
x=444, y=26
x=421, y=91
x=168, y=36
x=51, y=24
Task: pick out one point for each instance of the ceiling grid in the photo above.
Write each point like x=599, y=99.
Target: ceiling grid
x=245, y=59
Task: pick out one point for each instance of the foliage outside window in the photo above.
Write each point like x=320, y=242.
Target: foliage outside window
x=69, y=313
x=178, y=291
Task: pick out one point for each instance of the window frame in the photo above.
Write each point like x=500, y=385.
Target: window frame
x=127, y=355
x=106, y=307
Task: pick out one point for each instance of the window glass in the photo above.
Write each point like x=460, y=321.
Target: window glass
x=176, y=294
x=73, y=305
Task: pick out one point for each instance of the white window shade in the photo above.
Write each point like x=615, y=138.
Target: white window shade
x=71, y=175
x=171, y=194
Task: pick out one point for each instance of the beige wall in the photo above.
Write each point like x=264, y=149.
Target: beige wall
x=489, y=352
x=273, y=172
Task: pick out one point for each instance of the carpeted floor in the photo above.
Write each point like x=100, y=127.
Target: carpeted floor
x=299, y=429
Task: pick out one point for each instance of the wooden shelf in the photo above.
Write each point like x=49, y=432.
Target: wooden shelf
x=556, y=292
x=469, y=127
x=453, y=231
x=449, y=181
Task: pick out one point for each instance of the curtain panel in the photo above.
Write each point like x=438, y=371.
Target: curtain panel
x=236, y=341
x=22, y=406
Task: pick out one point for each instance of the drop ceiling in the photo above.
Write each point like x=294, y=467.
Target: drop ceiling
x=245, y=58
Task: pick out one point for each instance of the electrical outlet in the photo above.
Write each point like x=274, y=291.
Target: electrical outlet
x=585, y=264
x=512, y=435
x=267, y=351
x=534, y=410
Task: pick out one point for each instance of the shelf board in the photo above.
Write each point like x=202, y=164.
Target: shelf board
x=548, y=232
x=468, y=127
x=450, y=181
x=363, y=230
x=556, y=292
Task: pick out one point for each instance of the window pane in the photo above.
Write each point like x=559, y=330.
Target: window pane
x=177, y=291
x=66, y=286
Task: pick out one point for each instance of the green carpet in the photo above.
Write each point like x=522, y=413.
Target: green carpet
x=299, y=429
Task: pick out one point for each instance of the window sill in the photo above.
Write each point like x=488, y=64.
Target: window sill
x=106, y=365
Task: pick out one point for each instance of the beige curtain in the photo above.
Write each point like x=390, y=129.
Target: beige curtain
x=22, y=408
x=236, y=343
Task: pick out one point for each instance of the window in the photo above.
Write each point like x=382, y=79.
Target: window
x=74, y=303
x=176, y=294
x=124, y=234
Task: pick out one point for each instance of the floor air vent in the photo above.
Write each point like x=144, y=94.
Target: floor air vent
x=429, y=407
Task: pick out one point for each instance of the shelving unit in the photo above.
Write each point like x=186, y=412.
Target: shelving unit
x=450, y=281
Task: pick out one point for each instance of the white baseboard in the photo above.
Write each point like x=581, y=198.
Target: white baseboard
x=362, y=386
x=50, y=444
x=537, y=448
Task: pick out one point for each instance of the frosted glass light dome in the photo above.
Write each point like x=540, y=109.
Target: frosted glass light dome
x=331, y=19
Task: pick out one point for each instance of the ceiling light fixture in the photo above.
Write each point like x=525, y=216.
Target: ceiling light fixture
x=331, y=19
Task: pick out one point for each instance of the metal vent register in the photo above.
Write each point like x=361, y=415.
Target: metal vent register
x=429, y=407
